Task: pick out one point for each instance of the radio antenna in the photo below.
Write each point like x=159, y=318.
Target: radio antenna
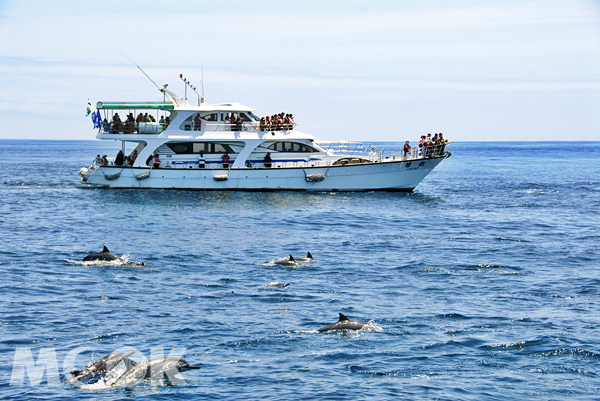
x=134, y=64
x=202, y=81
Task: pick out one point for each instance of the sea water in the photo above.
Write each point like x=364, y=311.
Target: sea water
x=484, y=283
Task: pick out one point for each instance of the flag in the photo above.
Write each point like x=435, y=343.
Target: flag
x=90, y=108
x=96, y=119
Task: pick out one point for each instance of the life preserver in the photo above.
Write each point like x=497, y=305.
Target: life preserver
x=129, y=127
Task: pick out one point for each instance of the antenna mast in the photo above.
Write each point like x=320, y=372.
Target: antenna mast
x=188, y=83
x=134, y=64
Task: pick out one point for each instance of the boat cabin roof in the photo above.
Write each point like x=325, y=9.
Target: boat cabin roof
x=235, y=106
x=134, y=105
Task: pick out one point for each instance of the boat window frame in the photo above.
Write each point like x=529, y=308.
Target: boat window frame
x=285, y=145
x=215, y=114
x=195, y=149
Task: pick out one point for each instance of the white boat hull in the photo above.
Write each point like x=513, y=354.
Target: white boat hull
x=383, y=176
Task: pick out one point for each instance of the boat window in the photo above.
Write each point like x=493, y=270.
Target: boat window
x=210, y=117
x=291, y=147
x=345, y=161
x=224, y=116
x=190, y=124
x=199, y=147
x=245, y=118
x=253, y=116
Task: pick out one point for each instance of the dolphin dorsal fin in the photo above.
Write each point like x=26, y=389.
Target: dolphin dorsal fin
x=105, y=249
x=309, y=256
x=342, y=318
x=292, y=259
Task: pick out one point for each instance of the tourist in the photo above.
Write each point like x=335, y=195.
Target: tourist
x=248, y=164
x=98, y=160
x=119, y=158
x=117, y=123
x=156, y=160
x=267, y=160
x=104, y=160
x=263, y=124
x=133, y=157
x=197, y=123
x=105, y=126
x=225, y=158
x=407, y=148
x=201, y=161
x=288, y=122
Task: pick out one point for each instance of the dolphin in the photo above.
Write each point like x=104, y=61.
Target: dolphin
x=94, y=371
x=308, y=258
x=277, y=285
x=105, y=255
x=287, y=262
x=343, y=324
x=154, y=369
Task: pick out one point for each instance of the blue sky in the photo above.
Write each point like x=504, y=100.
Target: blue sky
x=356, y=70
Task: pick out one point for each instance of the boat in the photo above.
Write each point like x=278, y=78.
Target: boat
x=177, y=145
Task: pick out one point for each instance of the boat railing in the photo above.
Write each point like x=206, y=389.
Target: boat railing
x=253, y=127
x=344, y=148
x=157, y=127
x=359, y=149
x=132, y=128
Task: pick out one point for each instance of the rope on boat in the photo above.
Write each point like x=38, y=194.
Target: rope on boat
x=315, y=177
x=111, y=177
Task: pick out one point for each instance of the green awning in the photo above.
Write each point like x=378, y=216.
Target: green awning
x=134, y=105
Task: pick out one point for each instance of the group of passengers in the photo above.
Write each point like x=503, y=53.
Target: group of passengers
x=120, y=160
x=131, y=124
x=101, y=161
x=277, y=122
x=231, y=121
x=428, y=146
x=126, y=161
x=236, y=122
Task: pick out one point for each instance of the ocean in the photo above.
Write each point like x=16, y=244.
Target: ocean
x=482, y=284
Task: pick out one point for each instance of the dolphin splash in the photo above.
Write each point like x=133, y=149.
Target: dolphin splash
x=117, y=370
x=343, y=324
x=107, y=256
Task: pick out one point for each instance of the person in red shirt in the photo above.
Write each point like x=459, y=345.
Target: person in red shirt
x=225, y=159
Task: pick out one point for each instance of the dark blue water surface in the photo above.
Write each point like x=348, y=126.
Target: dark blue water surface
x=484, y=282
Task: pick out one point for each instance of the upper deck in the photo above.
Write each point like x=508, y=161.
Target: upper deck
x=175, y=114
